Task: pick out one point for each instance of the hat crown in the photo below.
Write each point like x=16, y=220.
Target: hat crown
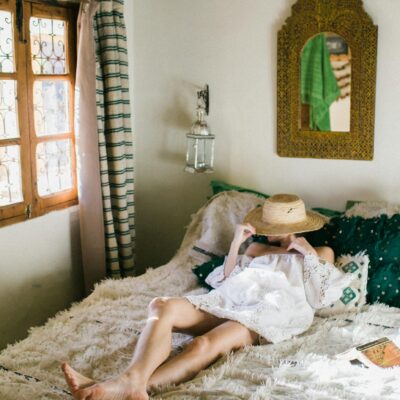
x=284, y=209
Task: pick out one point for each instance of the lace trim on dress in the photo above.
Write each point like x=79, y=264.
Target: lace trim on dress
x=217, y=277
x=323, y=282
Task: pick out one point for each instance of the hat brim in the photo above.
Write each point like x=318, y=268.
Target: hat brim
x=313, y=222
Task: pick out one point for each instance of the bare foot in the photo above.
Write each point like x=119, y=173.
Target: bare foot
x=120, y=388
x=74, y=379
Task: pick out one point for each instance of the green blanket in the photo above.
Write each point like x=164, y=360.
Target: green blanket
x=319, y=87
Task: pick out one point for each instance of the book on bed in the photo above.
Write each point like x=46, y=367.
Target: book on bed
x=382, y=353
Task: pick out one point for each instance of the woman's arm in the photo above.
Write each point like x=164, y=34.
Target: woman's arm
x=242, y=232
x=302, y=246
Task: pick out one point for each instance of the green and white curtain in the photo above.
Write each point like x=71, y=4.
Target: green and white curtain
x=115, y=137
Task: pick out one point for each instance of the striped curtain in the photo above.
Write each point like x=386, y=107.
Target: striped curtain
x=115, y=137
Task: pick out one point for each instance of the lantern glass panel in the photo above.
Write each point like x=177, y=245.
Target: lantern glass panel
x=200, y=153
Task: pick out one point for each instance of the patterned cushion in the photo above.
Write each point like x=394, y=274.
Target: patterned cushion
x=380, y=237
x=384, y=282
x=354, y=296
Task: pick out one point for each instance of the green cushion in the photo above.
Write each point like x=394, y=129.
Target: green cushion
x=351, y=203
x=328, y=212
x=380, y=237
x=384, y=285
x=220, y=186
x=203, y=270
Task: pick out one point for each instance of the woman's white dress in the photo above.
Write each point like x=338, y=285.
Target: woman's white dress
x=274, y=295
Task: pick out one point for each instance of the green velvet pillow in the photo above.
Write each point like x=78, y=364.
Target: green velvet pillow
x=328, y=212
x=380, y=237
x=384, y=285
x=203, y=270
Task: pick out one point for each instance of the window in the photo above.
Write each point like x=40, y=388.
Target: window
x=37, y=142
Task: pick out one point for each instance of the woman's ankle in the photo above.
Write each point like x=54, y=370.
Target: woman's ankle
x=136, y=377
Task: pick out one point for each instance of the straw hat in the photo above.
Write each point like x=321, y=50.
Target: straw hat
x=283, y=214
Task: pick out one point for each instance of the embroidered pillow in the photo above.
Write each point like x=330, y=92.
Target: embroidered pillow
x=354, y=295
x=380, y=237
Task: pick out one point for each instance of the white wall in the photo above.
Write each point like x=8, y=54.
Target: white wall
x=231, y=45
x=40, y=271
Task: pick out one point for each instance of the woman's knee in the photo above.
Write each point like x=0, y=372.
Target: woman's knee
x=161, y=307
x=201, y=345
x=214, y=345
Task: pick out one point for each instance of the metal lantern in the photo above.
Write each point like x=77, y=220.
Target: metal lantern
x=200, y=142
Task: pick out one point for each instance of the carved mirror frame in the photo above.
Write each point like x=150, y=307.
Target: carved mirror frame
x=348, y=19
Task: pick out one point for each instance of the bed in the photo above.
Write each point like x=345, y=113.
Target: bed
x=98, y=335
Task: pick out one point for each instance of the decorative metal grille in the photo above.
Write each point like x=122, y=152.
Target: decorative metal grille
x=50, y=103
x=6, y=42
x=53, y=161
x=47, y=45
x=8, y=110
x=10, y=175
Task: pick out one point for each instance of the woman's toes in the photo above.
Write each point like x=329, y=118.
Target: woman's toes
x=70, y=377
x=74, y=379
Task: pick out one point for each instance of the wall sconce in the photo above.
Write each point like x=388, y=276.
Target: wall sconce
x=200, y=142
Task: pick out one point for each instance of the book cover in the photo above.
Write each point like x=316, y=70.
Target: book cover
x=383, y=353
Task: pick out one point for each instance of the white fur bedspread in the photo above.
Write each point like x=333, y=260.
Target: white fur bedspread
x=98, y=335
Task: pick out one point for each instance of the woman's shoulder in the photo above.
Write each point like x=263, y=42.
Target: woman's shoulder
x=326, y=253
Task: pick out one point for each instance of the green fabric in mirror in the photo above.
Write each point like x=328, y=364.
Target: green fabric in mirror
x=319, y=87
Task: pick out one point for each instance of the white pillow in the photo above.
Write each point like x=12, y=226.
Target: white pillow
x=371, y=209
x=354, y=296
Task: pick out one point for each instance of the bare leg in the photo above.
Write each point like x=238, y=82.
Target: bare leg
x=153, y=347
x=202, y=351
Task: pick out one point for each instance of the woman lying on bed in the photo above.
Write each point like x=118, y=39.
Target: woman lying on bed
x=269, y=294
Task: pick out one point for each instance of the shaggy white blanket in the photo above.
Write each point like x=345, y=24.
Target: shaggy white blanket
x=98, y=335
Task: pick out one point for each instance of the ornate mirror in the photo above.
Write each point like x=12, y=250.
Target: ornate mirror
x=326, y=81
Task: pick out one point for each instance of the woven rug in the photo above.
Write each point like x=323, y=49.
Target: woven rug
x=98, y=335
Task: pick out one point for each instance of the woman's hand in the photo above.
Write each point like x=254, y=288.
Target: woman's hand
x=243, y=232
x=301, y=245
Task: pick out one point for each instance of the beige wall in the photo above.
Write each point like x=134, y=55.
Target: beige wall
x=177, y=45
x=40, y=269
